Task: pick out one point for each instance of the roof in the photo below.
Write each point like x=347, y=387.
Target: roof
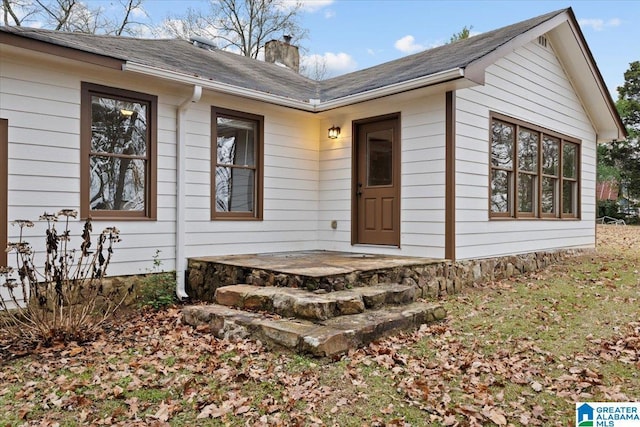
x=183, y=57
x=181, y=61
x=447, y=57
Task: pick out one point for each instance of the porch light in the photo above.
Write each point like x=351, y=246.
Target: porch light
x=334, y=132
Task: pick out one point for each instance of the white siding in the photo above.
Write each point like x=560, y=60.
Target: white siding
x=422, y=134
x=291, y=176
x=42, y=105
x=528, y=84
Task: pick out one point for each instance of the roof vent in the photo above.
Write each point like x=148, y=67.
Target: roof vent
x=542, y=41
x=202, y=43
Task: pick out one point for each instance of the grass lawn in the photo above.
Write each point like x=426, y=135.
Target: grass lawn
x=514, y=352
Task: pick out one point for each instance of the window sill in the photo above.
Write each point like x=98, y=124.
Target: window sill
x=117, y=218
x=235, y=218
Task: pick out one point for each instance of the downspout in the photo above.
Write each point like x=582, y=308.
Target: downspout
x=181, y=136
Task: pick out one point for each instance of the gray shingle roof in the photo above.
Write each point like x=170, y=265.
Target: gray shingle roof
x=183, y=57
x=429, y=62
x=228, y=68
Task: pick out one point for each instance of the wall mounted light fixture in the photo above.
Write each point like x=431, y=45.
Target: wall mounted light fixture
x=334, y=132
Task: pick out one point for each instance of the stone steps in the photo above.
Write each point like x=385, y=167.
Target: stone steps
x=300, y=303
x=328, y=337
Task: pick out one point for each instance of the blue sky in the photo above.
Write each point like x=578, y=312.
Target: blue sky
x=355, y=34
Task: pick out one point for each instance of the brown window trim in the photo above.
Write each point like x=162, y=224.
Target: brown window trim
x=4, y=189
x=537, y=215
x=257, y=214
x=151, y=196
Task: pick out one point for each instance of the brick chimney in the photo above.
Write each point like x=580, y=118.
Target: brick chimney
x=282, y=52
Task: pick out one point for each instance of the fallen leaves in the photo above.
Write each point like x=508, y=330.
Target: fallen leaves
x=150, y=369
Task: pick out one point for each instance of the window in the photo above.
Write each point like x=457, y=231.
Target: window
x=118, y=151
x=237, y=165
x=534, y=172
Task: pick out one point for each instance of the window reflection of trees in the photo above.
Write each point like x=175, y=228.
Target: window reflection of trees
x=550, y=179
x=527, y=167
x=546, y=167
x=118, y=156
x=235, y=170
x=500, y=184
x=226, y=153
x=569, y=178
x=502, y=144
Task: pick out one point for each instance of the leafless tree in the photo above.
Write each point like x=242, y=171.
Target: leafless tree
x=73, y=15
x=243, y=26
x=15, y=12
x=315, y=68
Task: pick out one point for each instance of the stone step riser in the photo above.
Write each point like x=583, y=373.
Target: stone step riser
x=327, y=338
x=302, y=304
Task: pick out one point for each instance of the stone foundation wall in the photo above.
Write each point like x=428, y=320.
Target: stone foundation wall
x=130, y=287
x=431, y=280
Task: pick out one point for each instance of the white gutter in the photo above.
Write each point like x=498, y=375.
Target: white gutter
x=181, y=137
x=313, y=105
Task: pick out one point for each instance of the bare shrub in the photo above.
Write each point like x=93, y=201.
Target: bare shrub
x=64, y=300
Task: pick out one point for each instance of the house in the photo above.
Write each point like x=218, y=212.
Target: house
x=481, y=148
x=607, y=190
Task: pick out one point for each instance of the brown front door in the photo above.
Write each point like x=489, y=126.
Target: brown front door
x=377, y=182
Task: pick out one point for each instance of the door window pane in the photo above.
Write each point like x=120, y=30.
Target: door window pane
x=380, y=158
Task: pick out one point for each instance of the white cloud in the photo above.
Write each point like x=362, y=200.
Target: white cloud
x=334, y=63
x=341, y=62
x=599, y=24
x=315, y=5
x=328, y=14
x=407, y=44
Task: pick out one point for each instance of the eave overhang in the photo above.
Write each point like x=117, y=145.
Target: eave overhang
x=567, y=40
x=311, y=105
x=587, y=79
x=61, y=51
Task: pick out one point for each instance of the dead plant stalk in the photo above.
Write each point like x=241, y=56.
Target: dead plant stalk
x=65, y=299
